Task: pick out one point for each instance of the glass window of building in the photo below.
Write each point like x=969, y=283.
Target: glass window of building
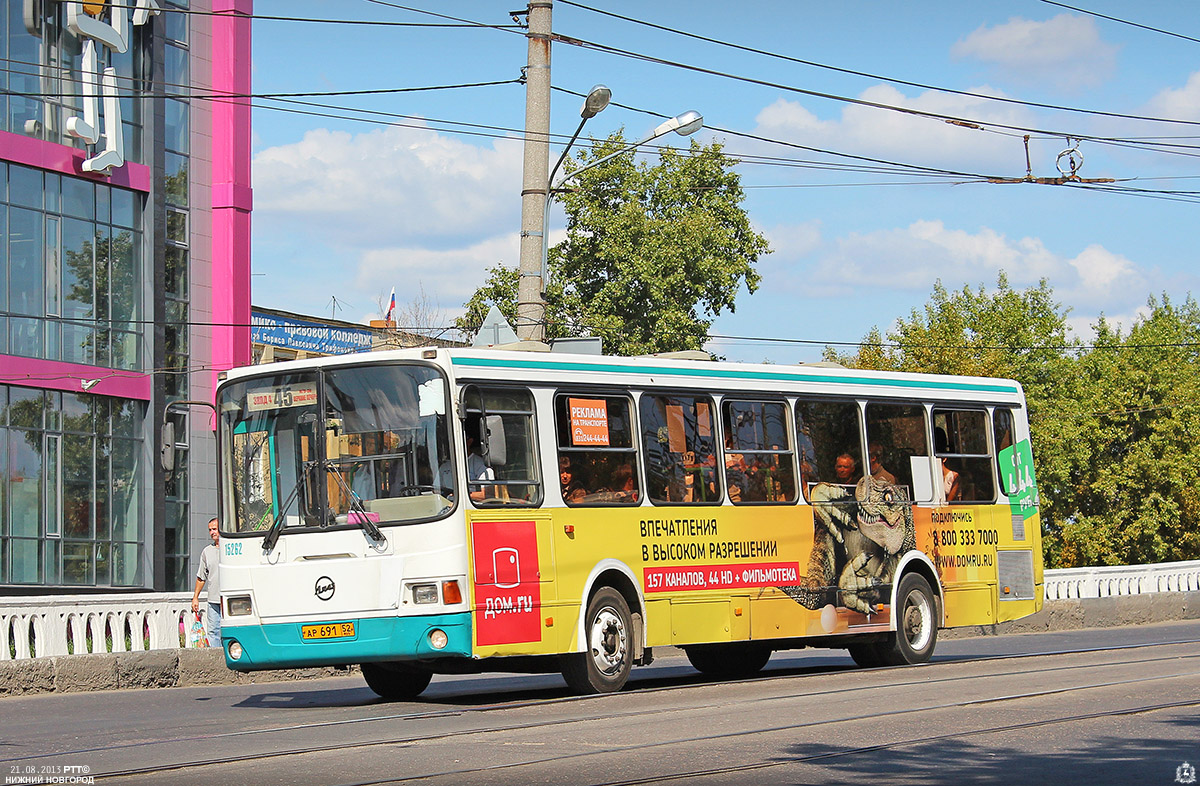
x=73, y=289
x=70, y=489
x=44, y=73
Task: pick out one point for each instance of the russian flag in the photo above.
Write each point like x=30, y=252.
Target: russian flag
x=391, y=306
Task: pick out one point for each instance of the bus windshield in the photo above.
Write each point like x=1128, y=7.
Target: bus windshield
x=323, y=448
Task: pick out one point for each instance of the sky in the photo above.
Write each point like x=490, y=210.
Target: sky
x=424, y=196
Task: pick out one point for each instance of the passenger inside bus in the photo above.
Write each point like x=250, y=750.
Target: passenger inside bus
x=845, y=470
x=949, y=477
x=736, y=481
x=624, y=484
x=477, y=468
x=573, y=489
x=878, y=471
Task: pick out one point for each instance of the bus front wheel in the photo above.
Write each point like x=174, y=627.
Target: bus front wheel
x=916, y=624
x=605, y=665
x=396, y=681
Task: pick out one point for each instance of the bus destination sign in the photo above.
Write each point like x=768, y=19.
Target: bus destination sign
x=281, y=397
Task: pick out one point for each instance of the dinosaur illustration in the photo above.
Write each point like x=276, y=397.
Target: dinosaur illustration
x=857, y=542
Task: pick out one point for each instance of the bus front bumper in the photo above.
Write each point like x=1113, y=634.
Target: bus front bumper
x=280, y=645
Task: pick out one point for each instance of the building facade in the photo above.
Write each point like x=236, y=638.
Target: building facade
x=124, y=281
x=277, y=336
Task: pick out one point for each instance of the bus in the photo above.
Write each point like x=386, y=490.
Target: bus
x=459, y=510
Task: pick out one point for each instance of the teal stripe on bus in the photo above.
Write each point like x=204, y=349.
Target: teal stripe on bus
x=769, y=376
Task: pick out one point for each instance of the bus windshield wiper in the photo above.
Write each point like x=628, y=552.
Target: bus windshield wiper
x=356, y=506
x=272, y=536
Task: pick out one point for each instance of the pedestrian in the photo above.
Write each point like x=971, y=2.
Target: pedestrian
x=207, y=575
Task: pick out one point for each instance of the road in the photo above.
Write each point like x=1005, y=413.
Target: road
x=1080, y=707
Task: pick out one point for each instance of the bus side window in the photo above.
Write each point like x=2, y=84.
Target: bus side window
x=895, y=436
x=500, y=447
x=758, y=452
x=597, y=459
x=827, y=438
x=678, y=436
x=1004, y=438
x=961, y=445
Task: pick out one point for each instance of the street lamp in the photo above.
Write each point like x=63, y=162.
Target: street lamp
x=684, y=124
x=595, y=102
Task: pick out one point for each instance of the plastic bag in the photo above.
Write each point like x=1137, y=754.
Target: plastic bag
x=196, y=637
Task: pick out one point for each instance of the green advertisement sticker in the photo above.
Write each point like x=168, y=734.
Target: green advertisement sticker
x=1016, y=466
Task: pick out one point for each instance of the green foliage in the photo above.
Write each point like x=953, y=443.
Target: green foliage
x=1137, y=497
x=1112, y=424
x=501, y=289
x=653, y=252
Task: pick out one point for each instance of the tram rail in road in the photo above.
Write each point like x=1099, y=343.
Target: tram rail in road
x=1028, y=701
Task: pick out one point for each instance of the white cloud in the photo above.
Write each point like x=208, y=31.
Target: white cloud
x=1065, y=51
x=904, y=137
x=1178, y=104
x=388, y=186
x=790, y=242
x=912, y=258
x=1102, y=272
x=453, y=274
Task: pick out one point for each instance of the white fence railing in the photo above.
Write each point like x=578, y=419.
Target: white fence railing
x=80, y=624
x=1122, y=580
x=33, y=627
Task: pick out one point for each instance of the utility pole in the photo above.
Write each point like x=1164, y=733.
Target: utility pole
x=531, y=306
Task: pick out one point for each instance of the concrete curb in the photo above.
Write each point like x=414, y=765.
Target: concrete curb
x=131, y=670
x=181, y=668
x=1078, y=613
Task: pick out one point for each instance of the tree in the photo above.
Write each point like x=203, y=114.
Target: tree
x=1113, y=425
x=1022, y=335
x=1136, y=498
x=653, y=252
x=501, y=289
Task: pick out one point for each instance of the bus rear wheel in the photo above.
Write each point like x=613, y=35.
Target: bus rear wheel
x=916, y=624
x=608, y=627
x=728, y=661
x=396, y=681
x=866, y=655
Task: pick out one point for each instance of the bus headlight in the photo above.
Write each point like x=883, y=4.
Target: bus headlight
x=438, y=639
x=425, y=593
x=235, y=651
x=239, y=606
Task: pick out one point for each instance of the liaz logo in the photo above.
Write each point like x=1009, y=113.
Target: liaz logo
x=324, y=588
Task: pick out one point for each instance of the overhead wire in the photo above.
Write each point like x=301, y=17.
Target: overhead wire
x=854, y=72
x=953, y=119
x=875, y=162
x=1109, y=18
x=315, y=20
x=472, y=22
x=503, y=131
x=964, y=177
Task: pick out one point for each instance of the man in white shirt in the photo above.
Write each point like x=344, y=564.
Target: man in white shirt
x=207, y=575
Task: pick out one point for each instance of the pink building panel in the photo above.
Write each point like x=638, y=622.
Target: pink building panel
x=73, y=377
x=232, y=198
x=68, y=161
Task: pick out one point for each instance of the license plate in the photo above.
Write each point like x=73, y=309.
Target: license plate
x=332, y=630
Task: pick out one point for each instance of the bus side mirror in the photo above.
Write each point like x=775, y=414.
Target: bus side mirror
x=167, y=449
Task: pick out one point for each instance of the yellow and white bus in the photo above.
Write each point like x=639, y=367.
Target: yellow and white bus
x=461, y=510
